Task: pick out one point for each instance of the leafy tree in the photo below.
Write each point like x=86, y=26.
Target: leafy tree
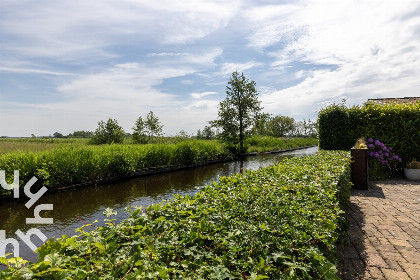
x=199, y=135
x=238, y=111
x=81, y=134
x=306, y=129
x=108, y=132
x=58, y=135
x=208, y=133
x=281, y=126
x=147, y=128
x=183, y=134
x=262, y=124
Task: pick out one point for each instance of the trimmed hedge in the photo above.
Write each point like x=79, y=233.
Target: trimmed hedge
x=280, y=222
x=396, y=125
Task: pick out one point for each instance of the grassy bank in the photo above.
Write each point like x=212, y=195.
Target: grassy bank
x=73, y=165
x=268, y=143
x=62, y=162
x=280, y=222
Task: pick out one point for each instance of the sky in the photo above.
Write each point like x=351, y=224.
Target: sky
x=65, y=65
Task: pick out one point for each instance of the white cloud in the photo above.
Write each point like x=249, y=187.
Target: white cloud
x=228, y=68
x=205, y=56
x=201, y=95
x=125, y=92
x=113, y=58
x=71, y=30
x=33, y=71
x=373, y=46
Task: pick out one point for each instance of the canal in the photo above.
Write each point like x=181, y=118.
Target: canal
x=73, y=208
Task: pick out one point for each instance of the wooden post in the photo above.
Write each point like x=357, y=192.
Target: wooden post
x=359, y=168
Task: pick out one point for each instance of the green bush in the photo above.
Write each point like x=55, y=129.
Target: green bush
x=280, y=222
x=396, y=125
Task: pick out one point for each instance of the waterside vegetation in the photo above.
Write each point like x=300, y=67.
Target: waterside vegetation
x=79, y=163
x=279, y=222
x=73, y=165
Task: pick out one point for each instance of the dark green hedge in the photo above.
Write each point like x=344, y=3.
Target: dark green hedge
x=396, y=125
x=280, y=222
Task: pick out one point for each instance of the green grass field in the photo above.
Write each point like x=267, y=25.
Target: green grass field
x=11, y=145
x=254, y=144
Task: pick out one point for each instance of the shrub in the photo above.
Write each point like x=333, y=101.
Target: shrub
x=107, y=133
x=382, y=161
x=280, y=222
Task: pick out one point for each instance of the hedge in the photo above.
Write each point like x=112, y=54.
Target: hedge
x=280, y=222
x=396, y=125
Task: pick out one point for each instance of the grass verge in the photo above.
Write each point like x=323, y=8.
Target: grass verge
x=261, y=144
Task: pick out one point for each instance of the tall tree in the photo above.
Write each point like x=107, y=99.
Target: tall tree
x=238, y=111
x=58, y=135
x=147, y=128
x=108, y=132
x=208, y=133
x=282, y=125
x=262, y=124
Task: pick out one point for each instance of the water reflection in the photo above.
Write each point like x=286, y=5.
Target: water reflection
x=72, y=207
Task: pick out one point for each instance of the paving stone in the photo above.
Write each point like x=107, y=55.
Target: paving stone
x=375, y=260
x=412, y=270
x=375, y=273
x=395, y=275
x=415, y=244
x=411, y=256
x=394, y=265
x=386, y=248
x=383, y=237
x=395, y=256
x=399, y=242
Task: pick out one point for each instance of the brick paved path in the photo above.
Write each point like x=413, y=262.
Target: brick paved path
x=383, y=237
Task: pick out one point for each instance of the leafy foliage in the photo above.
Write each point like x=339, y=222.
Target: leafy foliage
x=237, y=112
x=58, y=135
x=334, y=126
x=281, y=125
x=108, y=133
x=147, y=129
x=81, y=134
x=397, y=125
x=207, y=133
x=280, y=222
x=305, y=128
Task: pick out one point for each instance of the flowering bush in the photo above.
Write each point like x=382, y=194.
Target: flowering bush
x=382, y=161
